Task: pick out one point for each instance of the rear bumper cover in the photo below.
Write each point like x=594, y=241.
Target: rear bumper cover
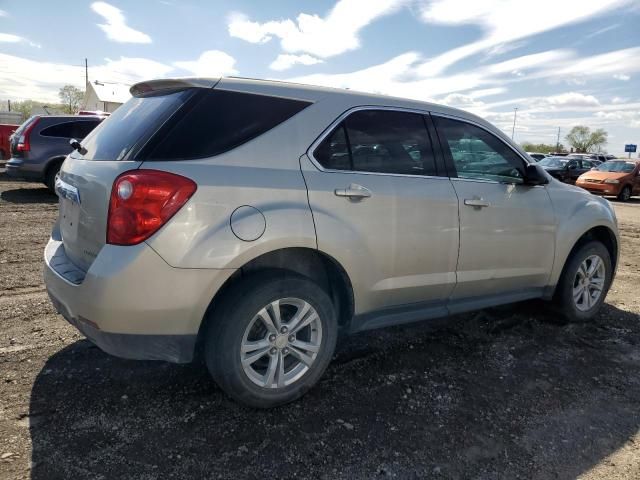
x=18, y=168
x=130, y=302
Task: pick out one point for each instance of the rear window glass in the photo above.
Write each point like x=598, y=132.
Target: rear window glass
x=216, y=121
x=78, y=129
x=131, y=124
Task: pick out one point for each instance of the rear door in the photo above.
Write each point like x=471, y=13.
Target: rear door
x=86, y=177
x=381, y=209
x=507, y=229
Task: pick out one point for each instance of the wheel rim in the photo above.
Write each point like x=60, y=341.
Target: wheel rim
x=588, y=283
x=626, y=193
x=281, y=343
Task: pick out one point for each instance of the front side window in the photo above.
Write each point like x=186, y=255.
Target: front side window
x=477, y=154
x=380, y=141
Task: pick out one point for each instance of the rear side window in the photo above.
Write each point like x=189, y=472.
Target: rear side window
x=216, y=121
x=131, y=124
x=380, y=141
x=77, y=130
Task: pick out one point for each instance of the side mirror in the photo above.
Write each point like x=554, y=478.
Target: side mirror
x=535, y=175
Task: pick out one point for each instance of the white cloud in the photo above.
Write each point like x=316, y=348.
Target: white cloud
x=3, y=13
x=487, y=92
x=212, y=63
x=116, y=27
x=460, y=100
x=286, y=61
x=619, y=100
x=622, y=76
x=502, y=21
x=571, y=99
x=322, y=37
x=37, y=80
x=10, y=38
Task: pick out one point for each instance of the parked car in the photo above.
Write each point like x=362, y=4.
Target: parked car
x=6, y=131
x=40, y=145
x=566, y=169
x=537, y=156
x=251, y=222
x=620, y=178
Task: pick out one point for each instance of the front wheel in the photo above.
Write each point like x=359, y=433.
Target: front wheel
x=271, y=339
x=625, y=194
x=585, y=282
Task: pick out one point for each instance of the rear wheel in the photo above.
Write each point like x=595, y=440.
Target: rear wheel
x=50, y=176
x=271, y=339
x=625, y=194
x=585, y=282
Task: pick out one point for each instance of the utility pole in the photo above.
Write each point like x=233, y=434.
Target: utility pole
x=86, y=72
x=558, y=141
x=513, y=130
x=9, y=105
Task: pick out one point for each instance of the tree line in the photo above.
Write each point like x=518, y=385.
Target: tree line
x=581, y=138
x=70, y=101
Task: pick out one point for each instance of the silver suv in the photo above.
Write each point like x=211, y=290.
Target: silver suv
x=252, y=222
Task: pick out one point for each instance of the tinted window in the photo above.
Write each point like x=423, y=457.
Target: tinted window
x=478, y=154
x=216, y=121
x=333, y=152
x=77, y=130
x=382, y=141
x=130, y=124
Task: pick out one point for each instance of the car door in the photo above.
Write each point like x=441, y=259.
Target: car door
x=507, y=229
x=381, y=210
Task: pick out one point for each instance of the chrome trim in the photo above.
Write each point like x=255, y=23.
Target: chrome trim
x=66, y=190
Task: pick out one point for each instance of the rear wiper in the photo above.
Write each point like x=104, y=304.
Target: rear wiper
x=75, y=144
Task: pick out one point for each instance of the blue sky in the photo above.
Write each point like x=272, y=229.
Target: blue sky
x=560, y=63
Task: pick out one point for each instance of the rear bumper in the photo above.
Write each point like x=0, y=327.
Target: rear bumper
x=130, y=302
x=19, y=168
x=600, y=188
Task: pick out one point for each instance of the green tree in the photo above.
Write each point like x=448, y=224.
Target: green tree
x=583, y=140
x=70, y=97
x=542, y=147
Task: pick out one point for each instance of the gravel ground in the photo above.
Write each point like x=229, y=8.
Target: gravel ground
x=503, y=393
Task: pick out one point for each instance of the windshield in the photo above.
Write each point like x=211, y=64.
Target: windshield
x=555, y=162
x=133, y=122
x=619, y=167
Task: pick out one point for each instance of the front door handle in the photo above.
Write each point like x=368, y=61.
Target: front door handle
x=476, y=202
x=353, y=191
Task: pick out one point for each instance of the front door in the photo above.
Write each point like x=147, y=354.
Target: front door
x=381, y=210
x=507, y=229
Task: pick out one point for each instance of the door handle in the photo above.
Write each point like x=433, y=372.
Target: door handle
x=353, y=191
x=476, y=202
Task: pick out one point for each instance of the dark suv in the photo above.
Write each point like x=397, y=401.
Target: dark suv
x=40, y=145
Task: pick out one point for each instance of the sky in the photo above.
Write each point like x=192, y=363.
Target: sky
x=560, y=63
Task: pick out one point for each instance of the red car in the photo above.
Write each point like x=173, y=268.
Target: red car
x=5, y=132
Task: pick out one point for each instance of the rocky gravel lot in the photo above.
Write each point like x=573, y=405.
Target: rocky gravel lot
x=503, y=393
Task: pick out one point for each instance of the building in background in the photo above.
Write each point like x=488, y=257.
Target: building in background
x=104, y=96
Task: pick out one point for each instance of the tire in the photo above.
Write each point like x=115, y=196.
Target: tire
x=625, y=194
x=583, y=309
x=236, y=323
x=50, y=176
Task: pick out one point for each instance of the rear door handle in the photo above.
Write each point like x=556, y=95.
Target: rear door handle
x=476, y=202
x=353, y=191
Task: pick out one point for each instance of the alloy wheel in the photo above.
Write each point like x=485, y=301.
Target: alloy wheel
x=281, y=343
x=588, y=283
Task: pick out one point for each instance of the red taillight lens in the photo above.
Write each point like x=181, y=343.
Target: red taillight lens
x=142, y=201
x=24, y=144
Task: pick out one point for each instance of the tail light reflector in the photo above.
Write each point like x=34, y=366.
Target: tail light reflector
x=142, y=201
x=24, y=143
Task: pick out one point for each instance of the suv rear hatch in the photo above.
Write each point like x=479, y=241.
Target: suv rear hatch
x=87, y=176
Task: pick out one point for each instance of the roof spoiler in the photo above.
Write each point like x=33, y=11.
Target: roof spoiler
x=142, y=88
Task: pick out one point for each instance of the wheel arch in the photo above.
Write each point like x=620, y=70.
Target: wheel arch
x=320, y=267
x=601, y=233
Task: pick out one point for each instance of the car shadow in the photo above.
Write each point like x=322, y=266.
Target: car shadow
x=29, y=195
x=502, y=393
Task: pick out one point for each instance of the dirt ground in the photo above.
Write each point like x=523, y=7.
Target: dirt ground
x=503, y=393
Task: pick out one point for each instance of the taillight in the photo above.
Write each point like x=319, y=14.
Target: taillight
x=142, y=201
x=24, y=144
